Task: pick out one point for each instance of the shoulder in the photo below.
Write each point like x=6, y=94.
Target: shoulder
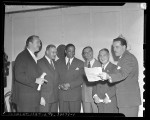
x=112, y=65
x=22, y=55
x=40, y=60
x=97, y=63
x=79, y=61
x=129, y=57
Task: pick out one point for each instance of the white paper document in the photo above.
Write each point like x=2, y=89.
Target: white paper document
x=92, y=73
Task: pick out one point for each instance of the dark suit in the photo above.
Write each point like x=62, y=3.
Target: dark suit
x=26, y=71
x=127, y=90
x=71, y=98
x=105, y=87
x=49, y=90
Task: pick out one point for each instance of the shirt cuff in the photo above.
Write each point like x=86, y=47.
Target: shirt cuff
x=110, y=79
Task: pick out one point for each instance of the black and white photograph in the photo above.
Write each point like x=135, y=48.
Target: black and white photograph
x=74, y=59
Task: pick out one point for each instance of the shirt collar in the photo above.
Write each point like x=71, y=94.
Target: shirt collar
x=49, y=60
x=92, y=62
x=105, y=65
x=71, y=59
x=32, y=54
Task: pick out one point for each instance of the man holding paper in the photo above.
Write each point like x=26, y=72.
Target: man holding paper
x=88, y=103
x=49, y=90
x=104, y=93
x=127, y=90
x=27, y=77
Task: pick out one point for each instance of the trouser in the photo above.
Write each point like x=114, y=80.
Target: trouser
x=26, y=108
x=70, y=106
x=90, y=107
x=129, y=111
x=50, y=107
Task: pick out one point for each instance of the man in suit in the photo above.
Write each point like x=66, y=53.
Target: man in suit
x=105, y=90
x=88, y=103
x=27, y=77
x=49, y=91
x=70, y=71
x=127, y=90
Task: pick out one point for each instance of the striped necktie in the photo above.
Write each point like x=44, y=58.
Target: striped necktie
x=68, y=64
x=52, y=64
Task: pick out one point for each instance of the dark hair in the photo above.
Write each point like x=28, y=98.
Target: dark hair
x=69, y=45
x=30, y=39
x=122, y=41
x=104, y=49
x=50, y=46
x=86, y=48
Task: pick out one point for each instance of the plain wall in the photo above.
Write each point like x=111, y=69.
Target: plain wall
x=96, y=26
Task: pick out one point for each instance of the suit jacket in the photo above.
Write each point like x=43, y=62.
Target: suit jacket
x=127, y=90
x=25, y=73
x=88, y=86
x=73, y=76
x=49, y=90
x=104, y=86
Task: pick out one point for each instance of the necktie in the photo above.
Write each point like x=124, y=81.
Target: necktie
x=68, y=64
x=89, y=65
x=102, y=67
x=52, y=64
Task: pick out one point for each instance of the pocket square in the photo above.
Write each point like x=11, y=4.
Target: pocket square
x=77, y=68
x=118, y=67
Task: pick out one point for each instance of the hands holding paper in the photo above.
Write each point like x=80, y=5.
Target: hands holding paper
x=105, y=76
x=43, y=102
x=64, y=86
x=40, y=81
x=98, y=100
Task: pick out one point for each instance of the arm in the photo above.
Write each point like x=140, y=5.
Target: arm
x=112, y=91
x=124, y=71
x=21, y=73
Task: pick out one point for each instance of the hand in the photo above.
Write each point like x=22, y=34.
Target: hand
x=40, y=81
x=43, y=102
x=96, y=99
x=66, y=86
x=104, y=76
x=106, y=99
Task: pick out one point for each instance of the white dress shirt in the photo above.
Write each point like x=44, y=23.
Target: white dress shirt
x=32, y=54
x=104, y=66
x=50, y=61
x=71, y=59
x=91, y=62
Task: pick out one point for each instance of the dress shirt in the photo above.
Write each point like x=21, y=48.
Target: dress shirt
x=91, y=62
x=104, y=66
x=32, y=54
x=71, y=59
x=50, y=61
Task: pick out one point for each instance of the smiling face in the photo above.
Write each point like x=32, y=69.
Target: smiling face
x=88, y=54
x=51, y=52
x=70, y=52
x=103, y=56
x=118, y=48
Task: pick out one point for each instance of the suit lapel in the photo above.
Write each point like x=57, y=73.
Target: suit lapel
x=108, y=67
x=73, y=63
x=48, y=64
x=30, y=57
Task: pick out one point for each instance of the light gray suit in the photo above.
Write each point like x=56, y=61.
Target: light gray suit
x=87, y=87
